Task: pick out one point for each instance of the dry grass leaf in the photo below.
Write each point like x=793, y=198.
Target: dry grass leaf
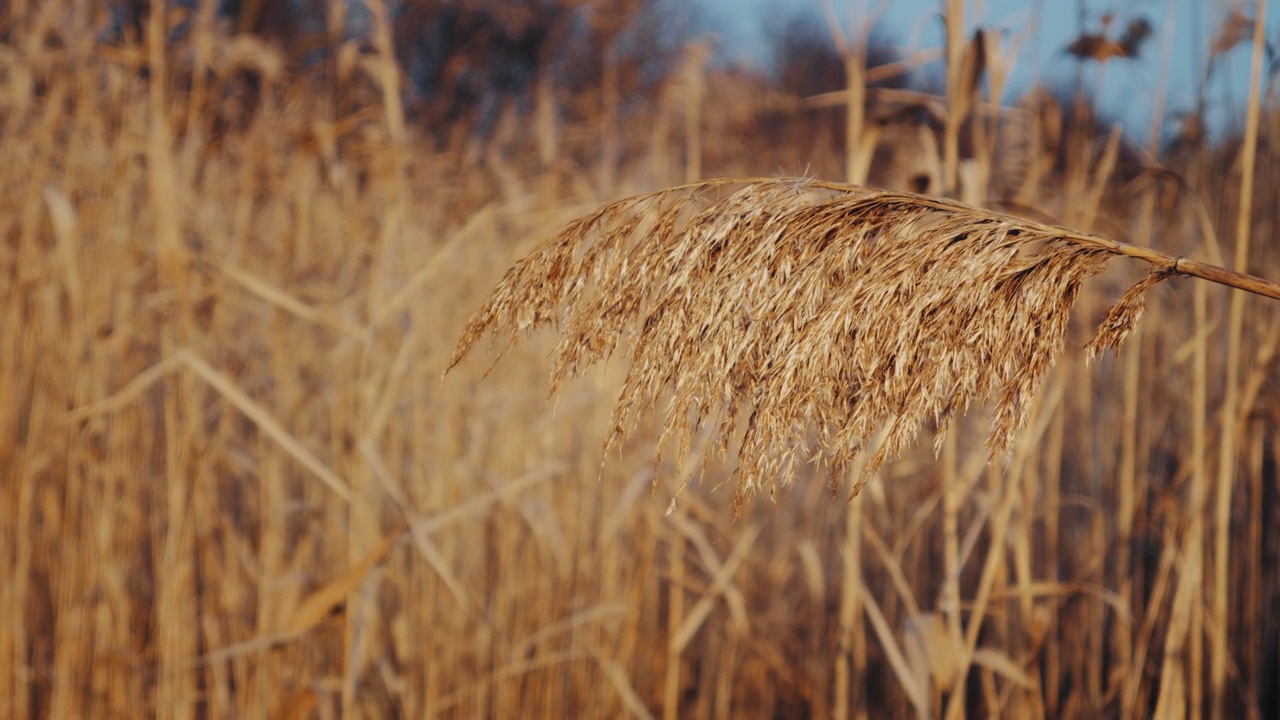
x=813, y=316
x=325, y=600
x=1001, y=664
x=935, y=656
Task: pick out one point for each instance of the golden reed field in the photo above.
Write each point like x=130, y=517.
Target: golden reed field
x=236, y=258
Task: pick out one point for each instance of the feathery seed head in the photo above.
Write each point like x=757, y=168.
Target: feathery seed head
x=825, y=321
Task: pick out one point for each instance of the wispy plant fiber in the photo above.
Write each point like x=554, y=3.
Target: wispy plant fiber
x=822, y=321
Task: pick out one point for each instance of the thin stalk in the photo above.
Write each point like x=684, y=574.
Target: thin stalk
x=1227, y=448
x=858, y=630
x=1093, y=614
x=851, y=648
x=1131, y=481
x=990, y=568
x=851, y=654
x=858, y=159
x=175, y=611
x=659, y=145
x=1051, y=464
x=1200, y=497
x=1172, y=701
x=951, y=500
x=855, y=168
x=853, y=49
x=1252, y=615
x=1023, y=547
x=609, y=98
x=675, y=618
x=693, y=95
x=1130, y=488
x=955, y=46
x=724, y=678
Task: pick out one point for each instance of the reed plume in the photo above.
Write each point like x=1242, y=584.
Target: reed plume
x=822, y=321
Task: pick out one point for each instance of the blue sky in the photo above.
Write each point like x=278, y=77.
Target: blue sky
x=1126, y=89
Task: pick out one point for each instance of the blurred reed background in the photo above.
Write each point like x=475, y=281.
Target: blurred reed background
x=239, y=245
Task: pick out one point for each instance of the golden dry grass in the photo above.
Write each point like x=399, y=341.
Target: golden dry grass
x=233, y=483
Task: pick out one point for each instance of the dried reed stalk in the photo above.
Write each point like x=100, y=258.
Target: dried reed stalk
x=823, y=320
x=1228, y=459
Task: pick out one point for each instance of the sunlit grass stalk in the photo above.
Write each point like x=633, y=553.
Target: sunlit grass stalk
x=675, y=618
x=1230, y=405
x=958, y=94
x=1131, y=485
x=1095, y=613
x=1255, y=577
x=952, y=499
x=694, y=82
x=851, y=654
x=1004, y=496
x=959, y=100
x=1130, y=482
x=852, y=49
x=609, y=104
x=176, y=612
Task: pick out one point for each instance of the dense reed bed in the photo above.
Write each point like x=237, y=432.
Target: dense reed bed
x=234, y=484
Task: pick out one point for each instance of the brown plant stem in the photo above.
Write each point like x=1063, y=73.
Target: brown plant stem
x=1227, y=457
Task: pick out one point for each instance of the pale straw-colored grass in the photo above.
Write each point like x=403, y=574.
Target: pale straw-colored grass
x=821, y=321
